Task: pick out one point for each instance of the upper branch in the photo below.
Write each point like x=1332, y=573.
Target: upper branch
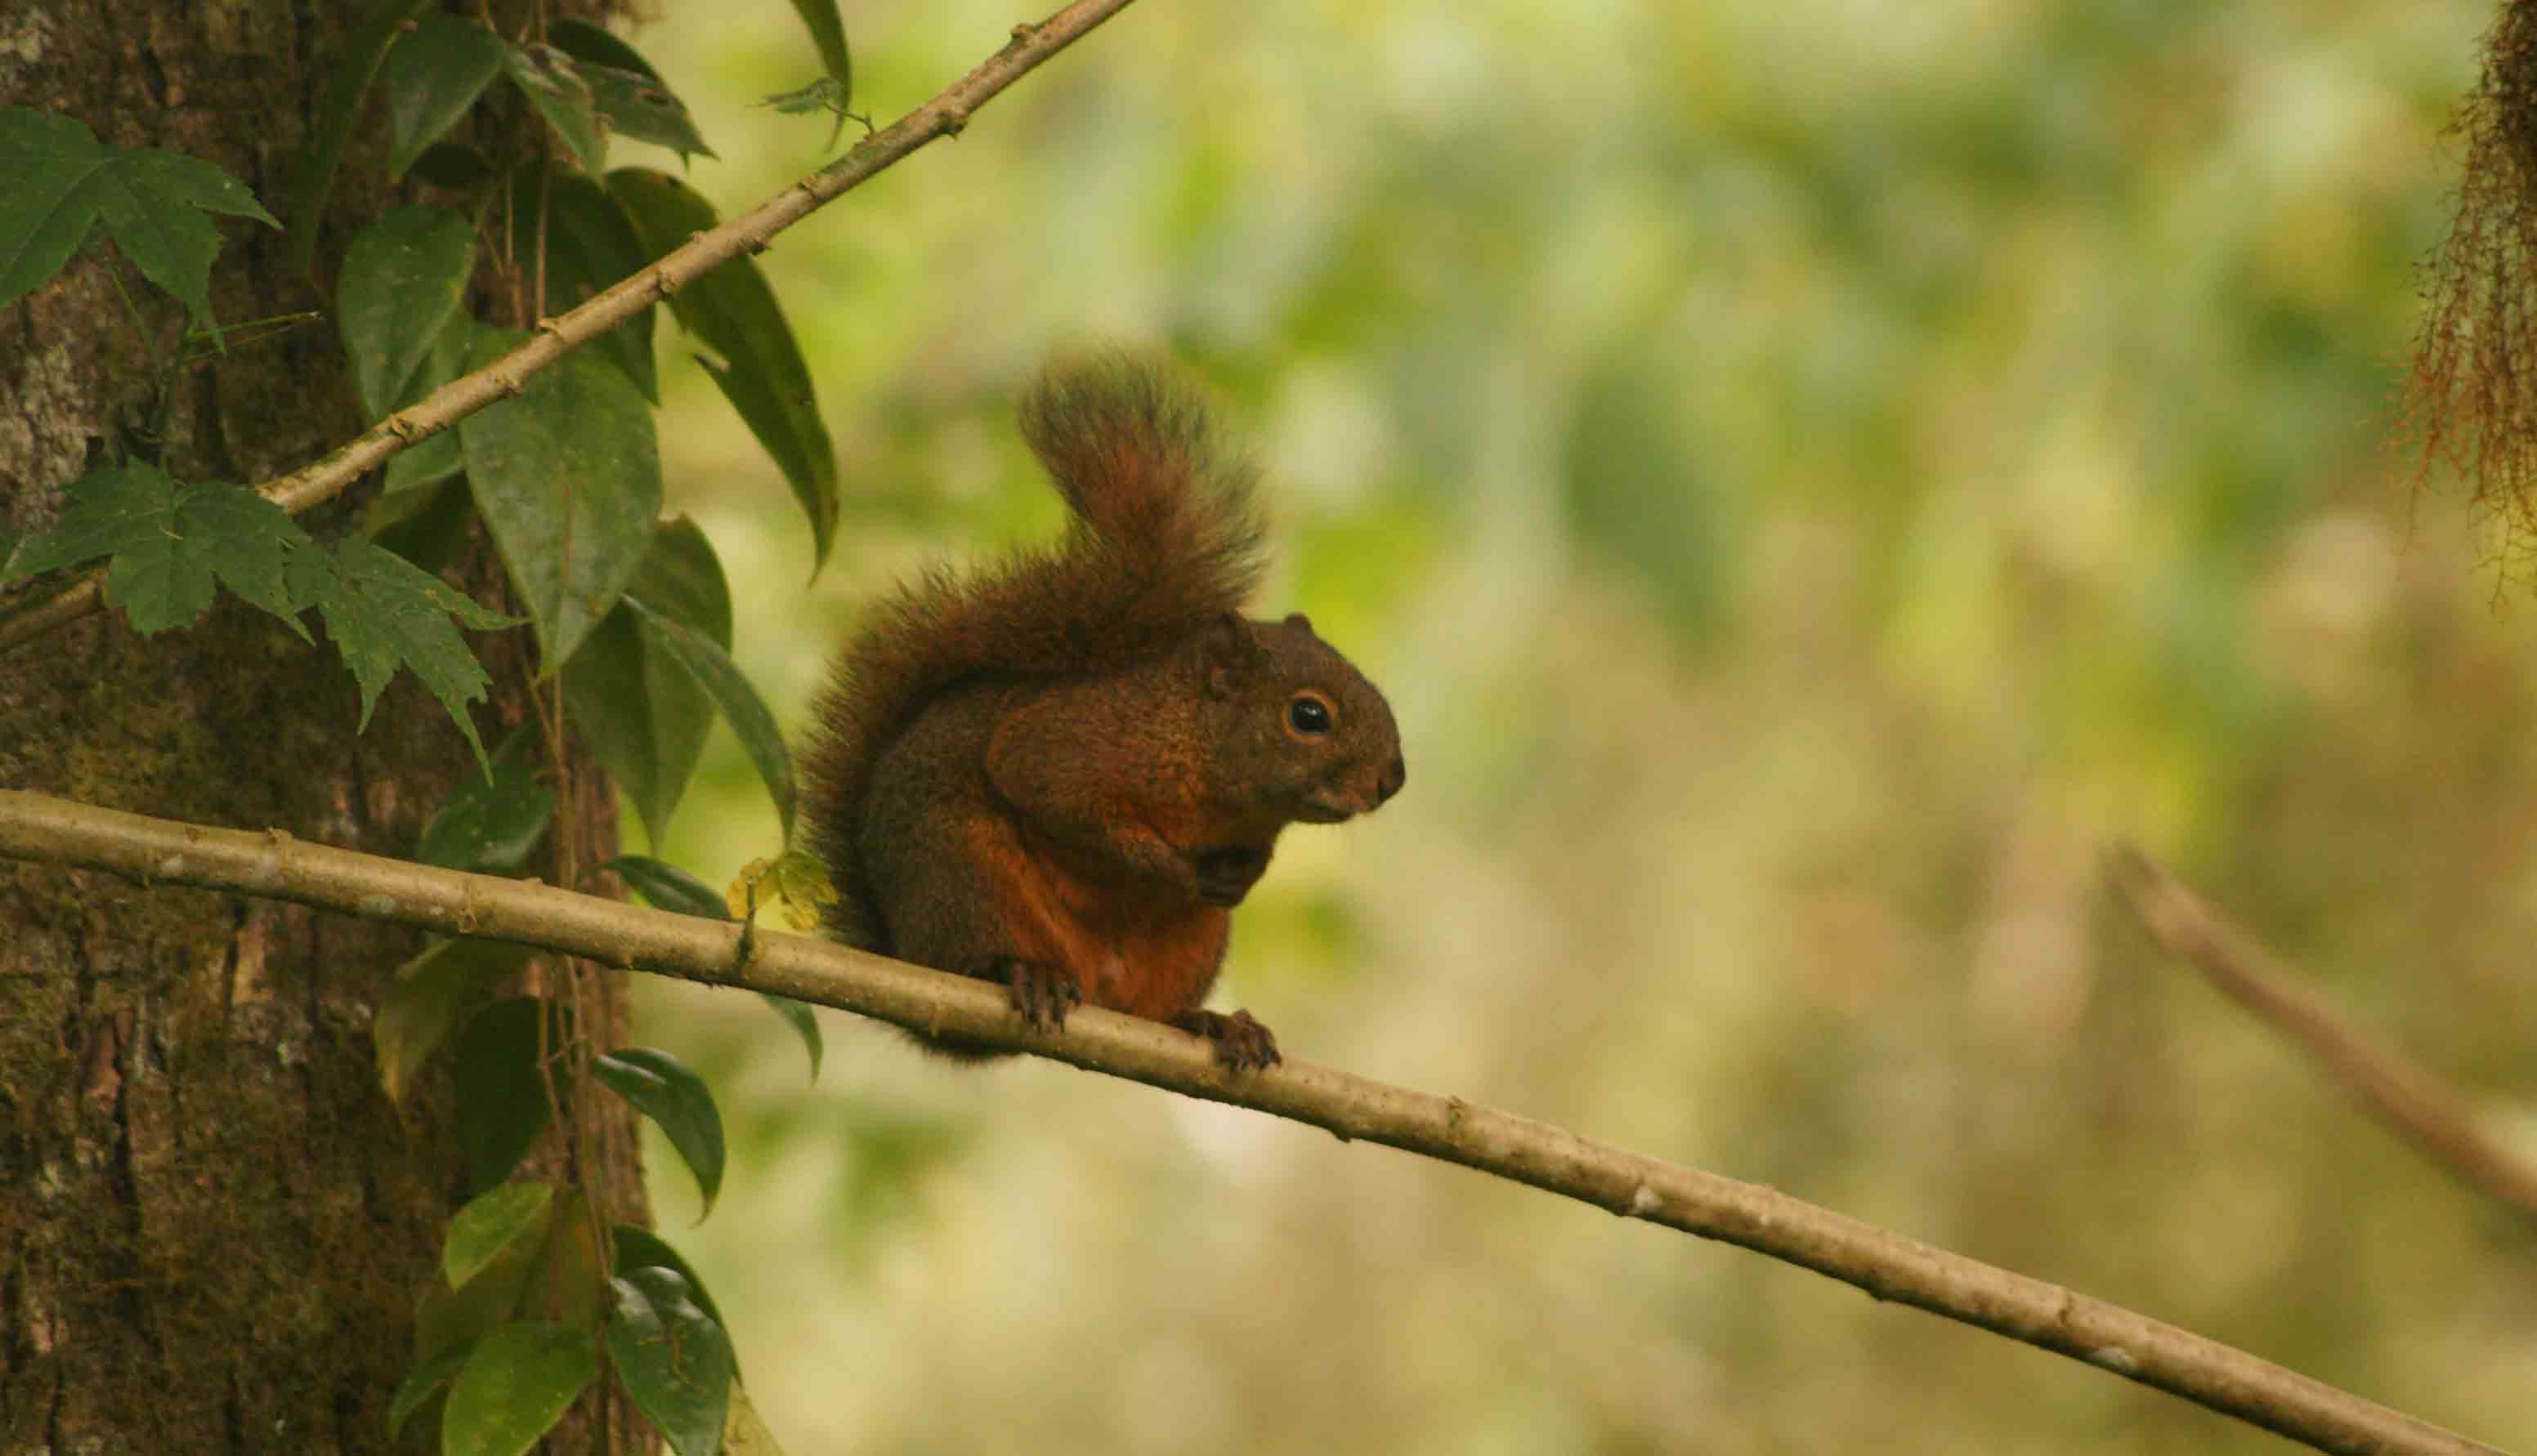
x=323, y=480
x=1886, y=1265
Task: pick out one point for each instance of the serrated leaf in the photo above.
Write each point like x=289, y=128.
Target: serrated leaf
x=828, y=34
x=515, y=1385
x=383, y=614
x=590, y=244
x=568, y=476
x=314, y=174
x=663, y=1089
x=641, y=1248
x=733, y=311
x=675, y=1358
x=43, y=217
x=491, y=823
x=171, y=542
x=805, y=1024
x=502, y=1103
x=721, y=677
x=435, y=993
x=554, y=85
x=402, y=283
x=417, y=1387
x=513, y=1213
x=434, y=74
x=65, y=186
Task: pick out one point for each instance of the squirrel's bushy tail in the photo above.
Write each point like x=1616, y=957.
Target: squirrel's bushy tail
x=1163, y=538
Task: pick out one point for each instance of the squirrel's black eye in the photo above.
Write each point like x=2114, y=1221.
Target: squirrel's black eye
x=1309, y=715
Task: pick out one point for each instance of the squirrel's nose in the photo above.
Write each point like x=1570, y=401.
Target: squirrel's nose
x=1391, y=780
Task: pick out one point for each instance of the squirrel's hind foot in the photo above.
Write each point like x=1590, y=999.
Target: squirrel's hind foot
x=1242, y=1043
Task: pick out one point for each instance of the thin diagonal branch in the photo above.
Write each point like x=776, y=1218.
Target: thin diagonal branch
x=324, y=478
x=1886, y=1265
x=2416, y=1105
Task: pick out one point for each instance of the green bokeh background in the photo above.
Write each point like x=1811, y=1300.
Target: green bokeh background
x=1809, y=475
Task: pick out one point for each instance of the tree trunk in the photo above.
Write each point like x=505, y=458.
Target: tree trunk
x=213, y=1227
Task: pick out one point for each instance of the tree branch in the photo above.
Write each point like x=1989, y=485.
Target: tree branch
x=554, y=337
x=1886, y=1265
x=2416, y=1105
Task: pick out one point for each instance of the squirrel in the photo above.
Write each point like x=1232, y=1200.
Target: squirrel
x=1063, y=773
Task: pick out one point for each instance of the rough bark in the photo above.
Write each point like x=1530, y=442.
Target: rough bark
x=212, y=1225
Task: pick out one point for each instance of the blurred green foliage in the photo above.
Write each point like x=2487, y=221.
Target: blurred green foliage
x=1808, y=475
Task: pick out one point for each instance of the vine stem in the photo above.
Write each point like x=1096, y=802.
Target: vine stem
x=553, y=338
x=1886, y=1265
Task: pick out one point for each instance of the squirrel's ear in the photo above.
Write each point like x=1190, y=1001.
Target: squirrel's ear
x=1298, y=620
x=1225, y=649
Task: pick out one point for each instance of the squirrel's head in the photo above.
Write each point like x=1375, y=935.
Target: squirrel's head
x=1300, y=735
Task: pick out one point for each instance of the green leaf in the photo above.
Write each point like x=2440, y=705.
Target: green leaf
x=741, y=707
x=514, y=1214
x=590, y=244
x=515, y=1386
x=828, y=32
x=491, y=823
x=805, y=1024
x=65, y=185
x=452, y=164
x=417, y=1387
x=502, y=1102
x=450, y=1319
x=627, y=89
x=428, y=527
x=733, y=311
x=643, y=714
x=641, y=1248
x=384, y=615
x=434, y=74
x=661, y=1087
x=745, y=1434
x=555, y=86
x=675, y=1358
x=314, y=175
x=171, y=542
x=568, y=479
x=435, y=993
x=682, y=578
x=570, y=1283
x=402, y=283
x=668, y=886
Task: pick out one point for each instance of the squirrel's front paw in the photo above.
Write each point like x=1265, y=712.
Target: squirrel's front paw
x=1043, y=993
x=1226, y=875
x=1242, y=1043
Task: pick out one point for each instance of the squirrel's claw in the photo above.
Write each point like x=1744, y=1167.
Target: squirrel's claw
x=1242, y=1043
x=1042, y=994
